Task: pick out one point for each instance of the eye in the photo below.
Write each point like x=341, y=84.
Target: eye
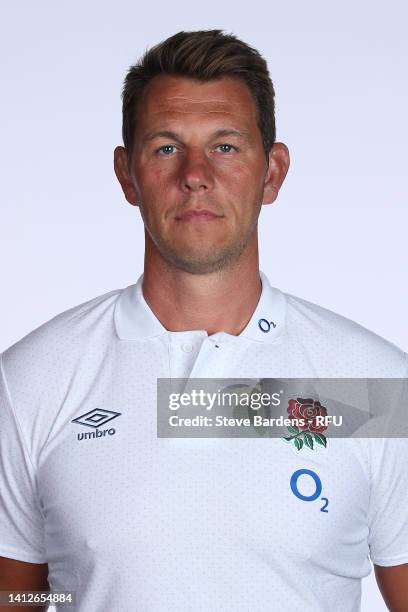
x=226, y=148
x=166, y=149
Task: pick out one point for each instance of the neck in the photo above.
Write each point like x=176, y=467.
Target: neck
x=220, y=301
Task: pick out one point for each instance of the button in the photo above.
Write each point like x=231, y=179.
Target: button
x=186, y=347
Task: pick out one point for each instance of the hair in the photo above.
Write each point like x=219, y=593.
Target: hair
x=204, y=55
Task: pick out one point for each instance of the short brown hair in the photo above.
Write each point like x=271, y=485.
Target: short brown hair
x=203, y=55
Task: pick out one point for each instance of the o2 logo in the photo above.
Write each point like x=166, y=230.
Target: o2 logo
x=318, y=488
x=265, y=325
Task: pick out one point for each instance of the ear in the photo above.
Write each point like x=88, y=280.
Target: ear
x=120, y=164
x=279, y=161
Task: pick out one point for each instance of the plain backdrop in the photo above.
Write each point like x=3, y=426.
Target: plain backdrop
x=336, y=234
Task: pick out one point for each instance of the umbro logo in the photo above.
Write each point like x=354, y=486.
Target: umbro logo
x=96, y=418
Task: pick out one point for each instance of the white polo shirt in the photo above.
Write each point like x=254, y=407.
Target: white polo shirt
x=130, y=521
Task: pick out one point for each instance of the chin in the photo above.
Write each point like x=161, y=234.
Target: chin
x=198, y=267
x=203, y=263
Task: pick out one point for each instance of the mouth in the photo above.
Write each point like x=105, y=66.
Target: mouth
x=198, y=215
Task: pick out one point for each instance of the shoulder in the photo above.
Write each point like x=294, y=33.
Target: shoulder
x=61, y=341
x=341, y=341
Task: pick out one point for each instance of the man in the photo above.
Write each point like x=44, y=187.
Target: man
x=91, y=499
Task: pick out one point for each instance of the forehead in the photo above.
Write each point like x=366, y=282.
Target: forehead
x=170, y=96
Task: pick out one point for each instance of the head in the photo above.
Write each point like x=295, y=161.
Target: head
x=199, y=155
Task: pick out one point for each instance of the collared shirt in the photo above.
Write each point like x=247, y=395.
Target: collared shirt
x=131, y=521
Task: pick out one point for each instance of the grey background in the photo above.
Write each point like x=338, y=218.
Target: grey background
x=335, y=236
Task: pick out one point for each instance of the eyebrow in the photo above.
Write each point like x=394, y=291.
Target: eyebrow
x=175, y=136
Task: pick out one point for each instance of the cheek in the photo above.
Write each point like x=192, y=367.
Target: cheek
x=150, y=175
x=150, y=179
x=155, y=187
x=242, y=175
x=243, y=184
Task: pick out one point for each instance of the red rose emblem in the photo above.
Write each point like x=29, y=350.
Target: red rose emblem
x=307, y=409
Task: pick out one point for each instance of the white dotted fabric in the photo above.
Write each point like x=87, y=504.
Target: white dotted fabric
x=133, y=522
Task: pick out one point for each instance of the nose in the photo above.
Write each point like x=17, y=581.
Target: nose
x=196, y=173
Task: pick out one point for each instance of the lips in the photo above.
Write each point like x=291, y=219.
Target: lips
x=198, y=215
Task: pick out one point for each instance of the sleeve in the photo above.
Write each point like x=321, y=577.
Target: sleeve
x=21, y=519
x=388, y=510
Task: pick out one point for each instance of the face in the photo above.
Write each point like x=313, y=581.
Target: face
x=198, y=171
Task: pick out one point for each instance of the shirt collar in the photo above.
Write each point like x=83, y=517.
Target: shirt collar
x=134, y=320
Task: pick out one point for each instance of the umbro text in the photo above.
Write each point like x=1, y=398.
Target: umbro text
x=86, y=435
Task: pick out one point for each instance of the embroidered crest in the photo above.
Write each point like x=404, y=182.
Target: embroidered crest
x=308, y=423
